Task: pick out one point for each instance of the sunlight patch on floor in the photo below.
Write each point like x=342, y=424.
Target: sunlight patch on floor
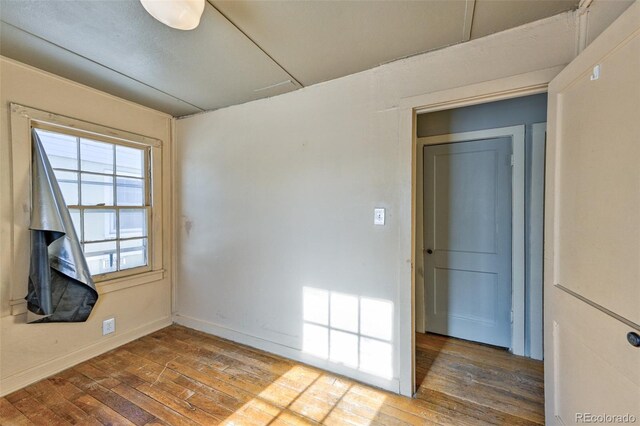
x=321, y=399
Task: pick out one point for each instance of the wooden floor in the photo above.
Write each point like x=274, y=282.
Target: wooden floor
x=178, y=376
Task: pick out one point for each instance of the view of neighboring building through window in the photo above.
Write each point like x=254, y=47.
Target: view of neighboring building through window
x=106, y=187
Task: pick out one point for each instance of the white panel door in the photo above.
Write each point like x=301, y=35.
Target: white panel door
x=592, y=225
x=467, y=217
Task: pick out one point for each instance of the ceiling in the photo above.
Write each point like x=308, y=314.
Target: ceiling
x=242, y=50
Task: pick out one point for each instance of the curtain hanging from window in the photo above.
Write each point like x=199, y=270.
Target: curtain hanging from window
x=60, y=285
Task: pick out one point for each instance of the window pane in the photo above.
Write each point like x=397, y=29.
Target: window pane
x=99, y=225
x=96, y=156
x=130, y=191
x=62, y=150
x=133, y=223
x=68, y=182
x=133, y=253
x=75, y=217
x=101, y=257
x=96, y=190
x=94, y=173
x=129, y=161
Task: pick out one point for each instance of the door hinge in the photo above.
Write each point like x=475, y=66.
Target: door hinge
x=511, y=317
x=513, y=160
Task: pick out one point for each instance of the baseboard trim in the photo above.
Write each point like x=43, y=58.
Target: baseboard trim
x=24, y=378
x=294, y=354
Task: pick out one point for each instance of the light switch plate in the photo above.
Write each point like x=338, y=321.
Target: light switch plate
x=108, y=326
x=378, y=216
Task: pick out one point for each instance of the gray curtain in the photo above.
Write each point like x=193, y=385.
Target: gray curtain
x=60, y=284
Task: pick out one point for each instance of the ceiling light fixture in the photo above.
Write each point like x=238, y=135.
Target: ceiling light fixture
x=179, y=14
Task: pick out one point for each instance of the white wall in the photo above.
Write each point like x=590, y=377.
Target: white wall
x=30, y=352
x=277, y=195
x=599, y=15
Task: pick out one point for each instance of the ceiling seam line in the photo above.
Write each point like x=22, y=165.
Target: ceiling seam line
x=256, y=44
x=104, y=66
x=469, y=12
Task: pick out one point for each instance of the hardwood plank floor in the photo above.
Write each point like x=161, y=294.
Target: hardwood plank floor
x=179, y=376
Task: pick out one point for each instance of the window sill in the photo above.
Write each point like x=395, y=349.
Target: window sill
x=129, y=281
x=19, y=306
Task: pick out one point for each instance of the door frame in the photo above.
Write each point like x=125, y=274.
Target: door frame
x=516, y=133
x=530, y=83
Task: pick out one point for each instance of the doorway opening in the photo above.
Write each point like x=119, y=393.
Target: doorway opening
x=479, y=228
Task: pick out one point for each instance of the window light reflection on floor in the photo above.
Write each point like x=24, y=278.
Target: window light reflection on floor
x=351, y=330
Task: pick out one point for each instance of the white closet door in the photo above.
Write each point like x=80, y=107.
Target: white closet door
x=592, y=225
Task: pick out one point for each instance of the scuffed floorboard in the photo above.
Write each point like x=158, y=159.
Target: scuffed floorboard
x=179, y=376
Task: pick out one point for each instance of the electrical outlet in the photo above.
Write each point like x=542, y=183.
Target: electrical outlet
x=108, y=326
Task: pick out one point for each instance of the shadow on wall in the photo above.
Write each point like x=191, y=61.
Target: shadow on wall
x=350, y=330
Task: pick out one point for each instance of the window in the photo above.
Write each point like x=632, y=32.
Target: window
x=136, y=171
x=107, y=188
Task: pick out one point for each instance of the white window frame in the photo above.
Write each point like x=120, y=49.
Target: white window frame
x=147, y=206
x=23, y=119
